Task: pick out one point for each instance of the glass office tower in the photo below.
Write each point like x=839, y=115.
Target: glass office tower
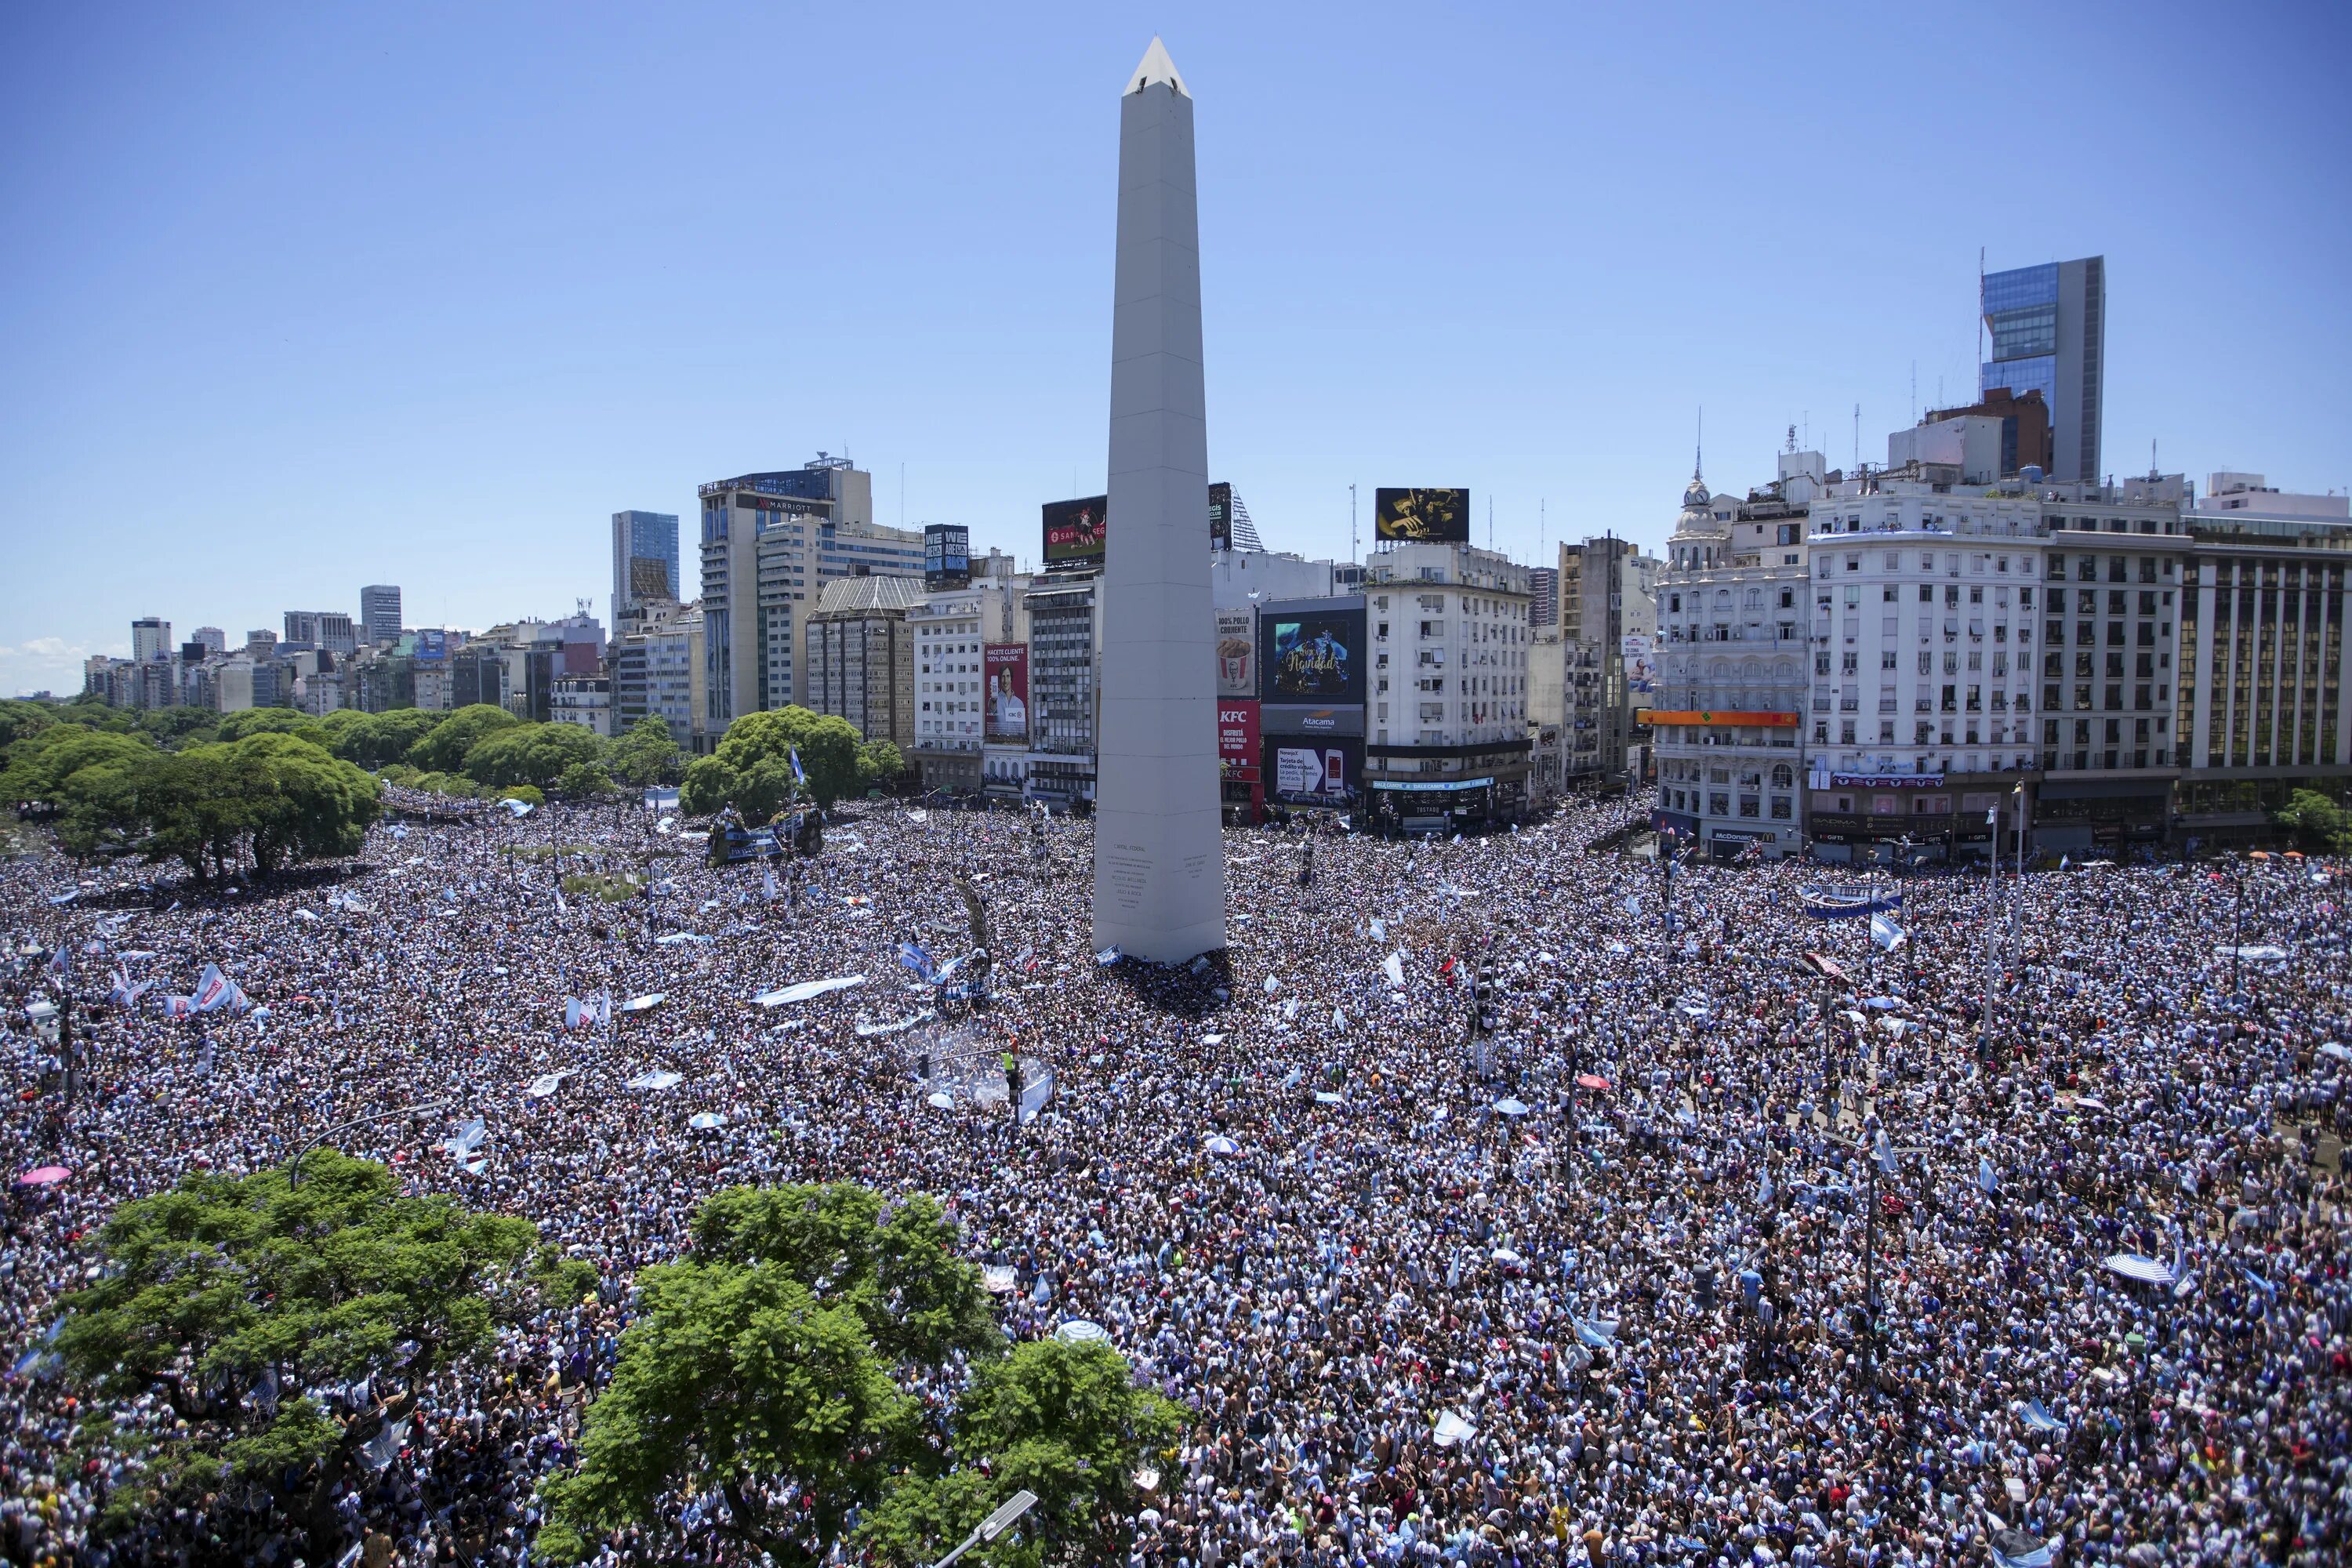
x=2048, y=329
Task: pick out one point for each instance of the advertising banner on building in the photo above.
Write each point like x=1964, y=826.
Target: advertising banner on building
x=1311, y=656
x=1073, y=533
x=1236, y=654
x=1238, y=736
x=1422, y=516
x=431, y=644
x=1641, y=673
x=1303, y=772
x=1220, y=516
x=947, y=555
x=1006, y=664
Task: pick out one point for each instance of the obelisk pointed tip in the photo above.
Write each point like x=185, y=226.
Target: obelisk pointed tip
x=1156, y=66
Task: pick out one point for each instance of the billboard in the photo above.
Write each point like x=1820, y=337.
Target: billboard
x=1220, y=516
x=1236, y=654
x=1311, y=656
x=1073, y=533
x=432, y=644
x=1237, y=736
x=1422, y=516
x=1641, y=671
x=1006, y=664
x=947, y=555
x=1304, y=772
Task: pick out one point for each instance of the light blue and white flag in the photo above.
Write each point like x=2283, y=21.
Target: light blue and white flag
x=916, y=959
x=1886, y=933
x=215, y=990
x=1986, y=1176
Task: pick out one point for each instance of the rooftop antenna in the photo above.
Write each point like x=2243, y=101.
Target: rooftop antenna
x=1352, y=553
x=1857, y=437
x=1490, y=520
x=1793, y=437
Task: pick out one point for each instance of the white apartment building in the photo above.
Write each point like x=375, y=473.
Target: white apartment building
x=1448, y=703
x=1922, y=628
x=1727, y=726
x=953, y=630
x=582, y=700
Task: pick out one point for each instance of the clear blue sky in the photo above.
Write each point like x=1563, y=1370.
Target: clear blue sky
x=299, y=297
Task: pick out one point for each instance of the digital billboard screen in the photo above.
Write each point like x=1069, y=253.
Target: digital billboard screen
x=1422, y=516
x=1311, y=656
x=1006, y=664
x=1220, y=516
x=1237, y=734
x=1236, y=654
x=947, y=554
x=1073, y=533
x=1304, y=772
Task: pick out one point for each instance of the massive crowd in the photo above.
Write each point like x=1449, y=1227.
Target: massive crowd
x=1623, y=1319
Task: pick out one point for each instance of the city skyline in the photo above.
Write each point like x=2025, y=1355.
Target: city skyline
x=343, y=339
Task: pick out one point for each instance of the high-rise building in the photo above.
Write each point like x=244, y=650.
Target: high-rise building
x=1728, y=724
x=971, y=678
x=1450, y=647
x=770, y=543
x=1543, y=599
x=2049, y=331
x=214, y=640
x=645, y=559
x=1608, y=600
x=151, y=637
x=380, y=613
x=861, y=656
x=328, y=629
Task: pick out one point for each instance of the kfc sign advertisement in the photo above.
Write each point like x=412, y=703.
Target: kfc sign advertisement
x=1237, y=738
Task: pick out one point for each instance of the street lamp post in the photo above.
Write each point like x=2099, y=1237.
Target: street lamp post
x=294, y=1166
x=2237, y=923
x=994, y=1525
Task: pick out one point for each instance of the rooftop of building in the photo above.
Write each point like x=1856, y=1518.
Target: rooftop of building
x=859, y=595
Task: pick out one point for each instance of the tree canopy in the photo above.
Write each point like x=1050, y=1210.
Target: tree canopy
x=246, y=721
x=271, y=799
x=245, y=1301
x=2317, y=822
x=444, y=748
x=752, y=770
x=767, y=1367
x=647, y=754
x=530, y=753
x=375, y=740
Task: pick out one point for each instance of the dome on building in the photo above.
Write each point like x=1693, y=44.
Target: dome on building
x=1698, y=511
x=1695, y=495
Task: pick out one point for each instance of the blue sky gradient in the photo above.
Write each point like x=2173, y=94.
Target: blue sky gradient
x=300, y=298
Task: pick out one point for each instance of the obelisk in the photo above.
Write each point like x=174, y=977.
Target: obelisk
x=1160, y=864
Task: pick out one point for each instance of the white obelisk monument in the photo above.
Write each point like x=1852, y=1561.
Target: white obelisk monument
x=1160, y=863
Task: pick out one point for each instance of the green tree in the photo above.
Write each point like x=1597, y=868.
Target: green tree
x=270, y=721
x=759, y=1366
x=647, y=754
x=22, y=717
x=530, y=753
x=586, y=781
x=232, y=1296
x=731, y=775
x=1067, y=1422
x=43, y=765
x=879, y=764
x=2317, y=822
x=445, y=747
x=180, y=726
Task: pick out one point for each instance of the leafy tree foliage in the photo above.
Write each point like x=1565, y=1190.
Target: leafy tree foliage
x=879, y=764
x=530, y=753
x=270, y=721
x=1063, y=1420
x=647, y=755
x=445, y=747
x=271, y=799
x=751, y=769
x=375, y=740
x=586, y=781
x=760, y=1368
x=243, y=1300
x=2317, y=822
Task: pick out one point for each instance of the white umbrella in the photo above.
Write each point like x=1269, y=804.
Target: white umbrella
x=1510, y=1108
x=1222, y=1145
x=941, y=1098
x=706, y=1121
x=1079, y=1331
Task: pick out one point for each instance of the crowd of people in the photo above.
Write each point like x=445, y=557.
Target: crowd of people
x=1696, y=1254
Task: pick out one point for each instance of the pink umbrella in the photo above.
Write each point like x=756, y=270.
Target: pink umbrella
x=1592, y=1081
x=43, y=1176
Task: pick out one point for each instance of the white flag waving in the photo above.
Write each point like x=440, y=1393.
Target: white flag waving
x=1886, y=933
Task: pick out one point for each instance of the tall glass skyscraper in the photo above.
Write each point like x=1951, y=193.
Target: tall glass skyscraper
x=645, y=558
x=2049, y=331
